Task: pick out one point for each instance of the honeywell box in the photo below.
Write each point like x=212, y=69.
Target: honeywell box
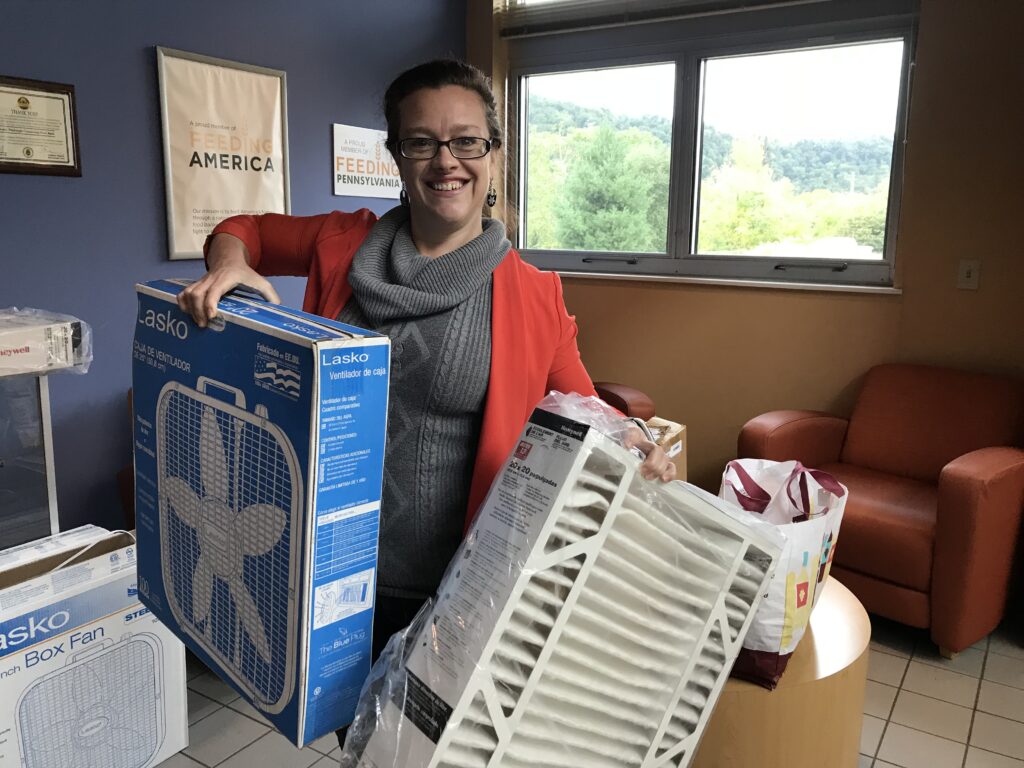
x=88, y=676
x=36, y=341
x=259, y=449
x=590, y=618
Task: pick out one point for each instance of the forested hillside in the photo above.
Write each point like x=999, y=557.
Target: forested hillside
x=599, y=181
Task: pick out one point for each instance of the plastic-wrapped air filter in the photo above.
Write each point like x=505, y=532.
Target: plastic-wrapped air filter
x=590, y=619
x=230, y=497
x=105, y=709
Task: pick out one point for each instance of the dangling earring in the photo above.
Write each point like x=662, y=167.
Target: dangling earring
x=492, y=196
x=403, y=196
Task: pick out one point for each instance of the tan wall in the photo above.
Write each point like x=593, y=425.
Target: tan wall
x=965, y=188
x=713, y=357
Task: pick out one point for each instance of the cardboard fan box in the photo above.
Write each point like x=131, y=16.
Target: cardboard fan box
x=259, y=448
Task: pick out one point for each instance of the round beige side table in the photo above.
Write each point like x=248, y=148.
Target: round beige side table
x=813, y=718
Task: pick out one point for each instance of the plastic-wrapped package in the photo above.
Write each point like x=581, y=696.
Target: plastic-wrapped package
x=590, y=616
x=36, y=341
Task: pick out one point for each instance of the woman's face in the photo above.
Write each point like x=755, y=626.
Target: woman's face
x=445, y=193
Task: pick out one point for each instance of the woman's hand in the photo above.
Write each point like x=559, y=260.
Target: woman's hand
x=228, y=262
x=657, y=464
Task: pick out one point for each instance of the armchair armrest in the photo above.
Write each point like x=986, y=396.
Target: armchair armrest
x=979, y=511
x=812, y=437
x=631, y=402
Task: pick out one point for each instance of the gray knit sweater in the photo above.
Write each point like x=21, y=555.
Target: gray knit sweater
x=437, y=312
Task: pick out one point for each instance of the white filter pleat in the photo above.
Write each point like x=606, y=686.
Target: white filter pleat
x=589, y=749
x=510, y=674
x=627, y=631
x=543, y=595
x=634, y=696
x=621, y=721
x=704, y=540
x=554, y=578
x=625, y=592
x=596, y=646
x=673, y=566
x=567, y=661
x=588, y=723
x=457, y=756
x=475, y=738
x=514, y=653
x=521, y=629
x=620, y=575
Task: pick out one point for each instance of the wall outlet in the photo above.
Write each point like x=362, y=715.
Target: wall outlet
x=967, y=274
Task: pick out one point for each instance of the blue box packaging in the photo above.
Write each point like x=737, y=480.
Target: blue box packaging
x=259, y=453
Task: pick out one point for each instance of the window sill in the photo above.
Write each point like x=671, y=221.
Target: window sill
x=739, y=283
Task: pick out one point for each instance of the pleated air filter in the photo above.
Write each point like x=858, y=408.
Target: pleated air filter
x=105, y=709
x=626, y=606
x=230, y=496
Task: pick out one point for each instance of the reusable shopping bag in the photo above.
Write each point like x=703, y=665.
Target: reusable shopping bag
x=807, y=506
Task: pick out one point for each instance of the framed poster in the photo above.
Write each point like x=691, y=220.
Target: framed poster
x=38, y=128
x=225, y=134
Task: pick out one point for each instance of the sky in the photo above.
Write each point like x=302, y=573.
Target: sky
x=841, y=93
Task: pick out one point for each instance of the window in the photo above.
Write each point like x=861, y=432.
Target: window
x=597, y=150
x=759, y=145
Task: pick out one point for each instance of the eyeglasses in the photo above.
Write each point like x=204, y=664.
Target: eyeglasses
x=462, y=147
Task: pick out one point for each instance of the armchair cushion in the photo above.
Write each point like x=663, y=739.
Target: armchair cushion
x=888, y=527
x=912, y=420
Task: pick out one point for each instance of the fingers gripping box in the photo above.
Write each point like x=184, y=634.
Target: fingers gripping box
x=259, y=448
x=88, y=676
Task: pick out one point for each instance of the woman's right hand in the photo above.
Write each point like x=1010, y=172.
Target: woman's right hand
x=228, y=264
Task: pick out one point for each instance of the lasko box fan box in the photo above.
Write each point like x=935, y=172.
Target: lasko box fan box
x=88, y=677
x=259, y=452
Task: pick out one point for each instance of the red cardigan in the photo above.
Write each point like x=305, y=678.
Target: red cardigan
x=533, y=337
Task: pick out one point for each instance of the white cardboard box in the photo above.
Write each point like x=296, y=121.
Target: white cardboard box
x=259, y=454
x=590, y=619
x=88, y=676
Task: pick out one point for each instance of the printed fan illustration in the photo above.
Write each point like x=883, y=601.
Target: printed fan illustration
x=103, y=711
x=226, y=534
x=230, y=501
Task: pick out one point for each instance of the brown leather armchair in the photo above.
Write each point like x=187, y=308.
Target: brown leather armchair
x=936, y=492
x=629, y=401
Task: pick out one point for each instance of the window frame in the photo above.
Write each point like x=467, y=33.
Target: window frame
x=686, y=43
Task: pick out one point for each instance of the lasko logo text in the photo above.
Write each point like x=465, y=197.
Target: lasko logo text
x=33, y=629
x=164, y=322
x=348, y=357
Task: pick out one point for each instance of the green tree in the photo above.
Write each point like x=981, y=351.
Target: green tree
x=615, y=193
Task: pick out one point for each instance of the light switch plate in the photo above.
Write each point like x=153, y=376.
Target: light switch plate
x=967, y=274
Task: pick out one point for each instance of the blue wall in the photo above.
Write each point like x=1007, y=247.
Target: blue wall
x=78, y=245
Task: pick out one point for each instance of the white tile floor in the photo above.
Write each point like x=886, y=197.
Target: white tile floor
x=226, y=732
x=920, y=711
x=923, y=711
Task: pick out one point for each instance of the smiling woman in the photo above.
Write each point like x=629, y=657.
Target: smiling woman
x=478, y=336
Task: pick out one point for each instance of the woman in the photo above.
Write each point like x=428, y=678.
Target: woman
x=478, y=336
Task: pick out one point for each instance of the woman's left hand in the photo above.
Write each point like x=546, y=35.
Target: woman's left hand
x=657, y=464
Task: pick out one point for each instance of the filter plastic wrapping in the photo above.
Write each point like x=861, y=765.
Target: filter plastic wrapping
x=36, y=341
x=590, y=616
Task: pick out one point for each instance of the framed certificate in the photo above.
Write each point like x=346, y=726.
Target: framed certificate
x=38, y=128
x=225, y=134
